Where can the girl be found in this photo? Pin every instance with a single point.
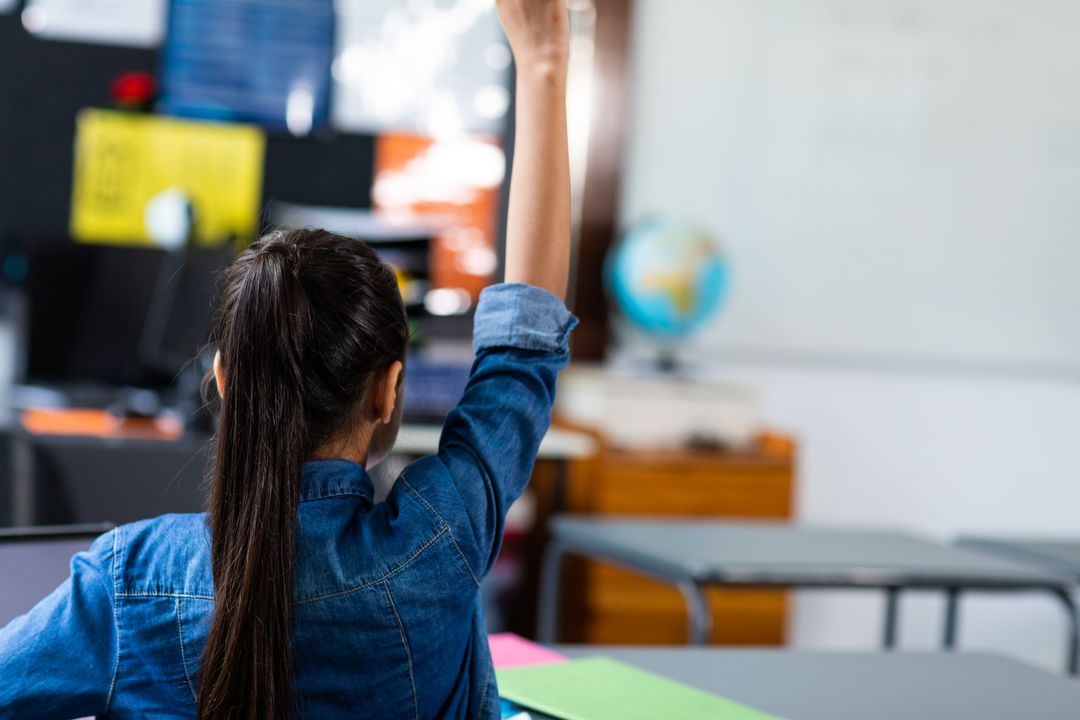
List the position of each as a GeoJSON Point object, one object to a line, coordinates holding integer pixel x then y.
{"type": "Point", "coordinates": [296, 595]}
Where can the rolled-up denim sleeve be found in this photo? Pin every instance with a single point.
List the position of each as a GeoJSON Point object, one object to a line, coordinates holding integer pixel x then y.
{"type": "Point", "coordinates": [490, 440]}
{"type": "Point", "coordinates": [59, 659]}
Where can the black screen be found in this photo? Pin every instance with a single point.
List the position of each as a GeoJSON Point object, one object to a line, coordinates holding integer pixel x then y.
{"type": "Point", "coordinates": [87, 310]}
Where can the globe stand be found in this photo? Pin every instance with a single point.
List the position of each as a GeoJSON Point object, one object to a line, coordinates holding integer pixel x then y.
{"type": "Point", "coordinates": [635, 352]}
{"type": "Point", "coordinates": [667, 361]}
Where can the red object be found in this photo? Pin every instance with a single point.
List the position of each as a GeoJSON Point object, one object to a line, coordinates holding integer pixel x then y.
{"type": "Point", "coordinates": [133, 89]}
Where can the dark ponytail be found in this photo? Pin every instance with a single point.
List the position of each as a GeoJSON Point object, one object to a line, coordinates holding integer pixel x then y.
{"type": "Point", "coordinates": [307, 319]}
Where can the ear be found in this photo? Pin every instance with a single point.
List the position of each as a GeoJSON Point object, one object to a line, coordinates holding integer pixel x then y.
{"type": "Point", "coordinates": [386, 392]}
{"type": "Point", "coordinates": [219, 374]}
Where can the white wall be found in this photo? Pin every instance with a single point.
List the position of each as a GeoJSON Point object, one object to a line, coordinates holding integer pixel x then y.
{"type": "Point", "coordinates": [892, 178]}
{"type": "Point", "coordinates": [936, 451]}
{"type": "Point", "coordinates": [940, 455]}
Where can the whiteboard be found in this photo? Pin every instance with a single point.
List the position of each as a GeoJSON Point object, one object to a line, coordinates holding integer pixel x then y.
{"type": "Point", "coordinates": [895, 180]}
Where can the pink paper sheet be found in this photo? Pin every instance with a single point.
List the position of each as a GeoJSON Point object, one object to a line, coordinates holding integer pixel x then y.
{"type": "Point", "coordinates": [509, 650]}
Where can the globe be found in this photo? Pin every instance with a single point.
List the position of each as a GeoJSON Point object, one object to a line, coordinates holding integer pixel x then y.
{"type": "Point", "coordinates": [668, 278]}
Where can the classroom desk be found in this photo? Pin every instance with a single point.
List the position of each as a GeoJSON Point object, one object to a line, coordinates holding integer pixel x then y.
{"type": "Point", "coordinates": [77, 465]}
{"type": "Point", "coordinates": [1061, 556]}
{"type": "Point", "coordinates": [558, 444]}
{"type": "Point", "coordinates": [863, 685]}
{"type": "Point", "coordinates": [693, 555]}
{"type": "Point", "coordinates": [34, 561]}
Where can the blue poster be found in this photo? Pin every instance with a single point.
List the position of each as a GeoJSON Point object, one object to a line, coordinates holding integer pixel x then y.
{"type": "Point", "coordinates": [250, 60]}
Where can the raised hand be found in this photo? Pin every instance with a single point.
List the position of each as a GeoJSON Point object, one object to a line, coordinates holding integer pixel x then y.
{"type": "Point", "coordinates": [538, 219]}
{"type": "Point", "coordinates": [538, 30]}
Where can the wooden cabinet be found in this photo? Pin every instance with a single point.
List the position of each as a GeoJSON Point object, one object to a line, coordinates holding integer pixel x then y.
{"type": "Point", "coordinates": [604, 604]}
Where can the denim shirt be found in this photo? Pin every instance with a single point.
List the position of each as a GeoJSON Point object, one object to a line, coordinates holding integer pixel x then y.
{"type": "Point", "coordinates": [387, 619]}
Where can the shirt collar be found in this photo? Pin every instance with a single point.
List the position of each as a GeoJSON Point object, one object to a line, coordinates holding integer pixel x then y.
{"type": "Point", "coordinates": [331, 478]}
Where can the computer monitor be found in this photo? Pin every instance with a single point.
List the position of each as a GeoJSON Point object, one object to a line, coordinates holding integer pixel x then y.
{"type": "Point", "coordinates": [35, 561]}
{"type": "Point", "coordinates": [178, 321]}
{"type": "Point", "coordinates": [86, 310]}
{"type": "Point", "coordinates": [117, 316]}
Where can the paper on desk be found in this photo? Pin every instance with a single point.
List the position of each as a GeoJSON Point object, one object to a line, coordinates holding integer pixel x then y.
{"type": "Point", "coordinates": [123, 161]}
{"type": "Point", "coordinates": [139, 23]}
{"type": "Point", "coordinates": [600, 688]}
{"type": "Point", "coordinates": [509, 650]}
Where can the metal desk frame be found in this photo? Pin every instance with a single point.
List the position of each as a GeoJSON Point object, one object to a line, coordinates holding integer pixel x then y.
{"type": "Point", "coordinates": [1028, 551]}
{"type": "Point", "coordinates": [845, 685]}
{"type": "Point", "coordinates": [692, 585]}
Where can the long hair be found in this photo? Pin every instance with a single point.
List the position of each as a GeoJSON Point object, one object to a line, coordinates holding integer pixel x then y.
{"type": "Point", "coordinates": [306, 320]}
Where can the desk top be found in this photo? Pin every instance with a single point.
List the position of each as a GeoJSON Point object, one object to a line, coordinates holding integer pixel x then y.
{"type": "Point", "coordinates": [558, 444]}
{"type": "Point", "coordinates": [864, 686]}
{"type": "Point", "coordinates": [80, 424]}
{"type": "Point", "coordinates": [765, 554]}
{"type": "Point", "coordinates": [1059, 555]}
{"type": "Point", "coordinates": [32, 568]}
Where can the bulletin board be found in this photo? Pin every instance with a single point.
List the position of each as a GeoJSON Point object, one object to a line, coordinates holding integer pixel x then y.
{"type": "Point", "coordinates": [57, 79]}
{"type": "Point", "coordinates": [124, 160]}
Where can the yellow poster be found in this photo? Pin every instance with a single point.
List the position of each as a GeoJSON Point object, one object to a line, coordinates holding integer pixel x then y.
{"type": "Point", "coordinates": [123, 161]}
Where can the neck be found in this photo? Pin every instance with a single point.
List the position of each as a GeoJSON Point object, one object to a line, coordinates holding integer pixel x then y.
{"type": "Point", "coordinates": [353, 448]}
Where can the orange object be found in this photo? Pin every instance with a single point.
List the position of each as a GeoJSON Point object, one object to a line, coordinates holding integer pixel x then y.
{"type": "Point", "coordinates": [607, 605]}
{"type": "Point", "coordinates": [456, 184]}
{"type": "Point", "coordinates": [92, 422]}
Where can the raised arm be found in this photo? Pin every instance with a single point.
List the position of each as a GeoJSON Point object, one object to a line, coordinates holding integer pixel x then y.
{"type": "Point", "coordinates": [538, 223]}
{"type": "Point", "coordinates": [522, 327]}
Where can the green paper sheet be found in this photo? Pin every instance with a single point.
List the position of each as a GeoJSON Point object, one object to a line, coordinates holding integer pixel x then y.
{"type": "Point", "coordinates": [599, 688]}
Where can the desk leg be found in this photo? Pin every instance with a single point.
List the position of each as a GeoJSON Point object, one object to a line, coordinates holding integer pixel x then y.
{"type": "Point", "coordinates": [892, 617]}
{"type": "Point", "coordinates": [698, 611]}
{"type": "Point", "coordinates": [1072, 657]}
{"type": "Point", "coordinates": [952, 617]}
{"type": "Point", "coordinates": [24, 509]}
{"type": "Point", "coordinates": [562, 481]}
{"type": "Point", "coordinates": [550, 592]}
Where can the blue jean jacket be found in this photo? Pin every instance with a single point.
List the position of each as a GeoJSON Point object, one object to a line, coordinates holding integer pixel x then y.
{"type": "Point", "coordinates": [387, 619]}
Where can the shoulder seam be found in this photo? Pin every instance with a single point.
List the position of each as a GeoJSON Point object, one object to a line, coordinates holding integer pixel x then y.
{"type": "Point", "coordinates": [386, 576]}
{"type": "Point", "coordinates": [188, 596]}
{"type": "Point", "coordinates": [453, 540]}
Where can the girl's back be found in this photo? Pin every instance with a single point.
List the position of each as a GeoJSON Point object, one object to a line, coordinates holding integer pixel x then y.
{"type": "Point", "coordinates": [295, 595]}
{"type": "Point", "coordinates": [386, 613]}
